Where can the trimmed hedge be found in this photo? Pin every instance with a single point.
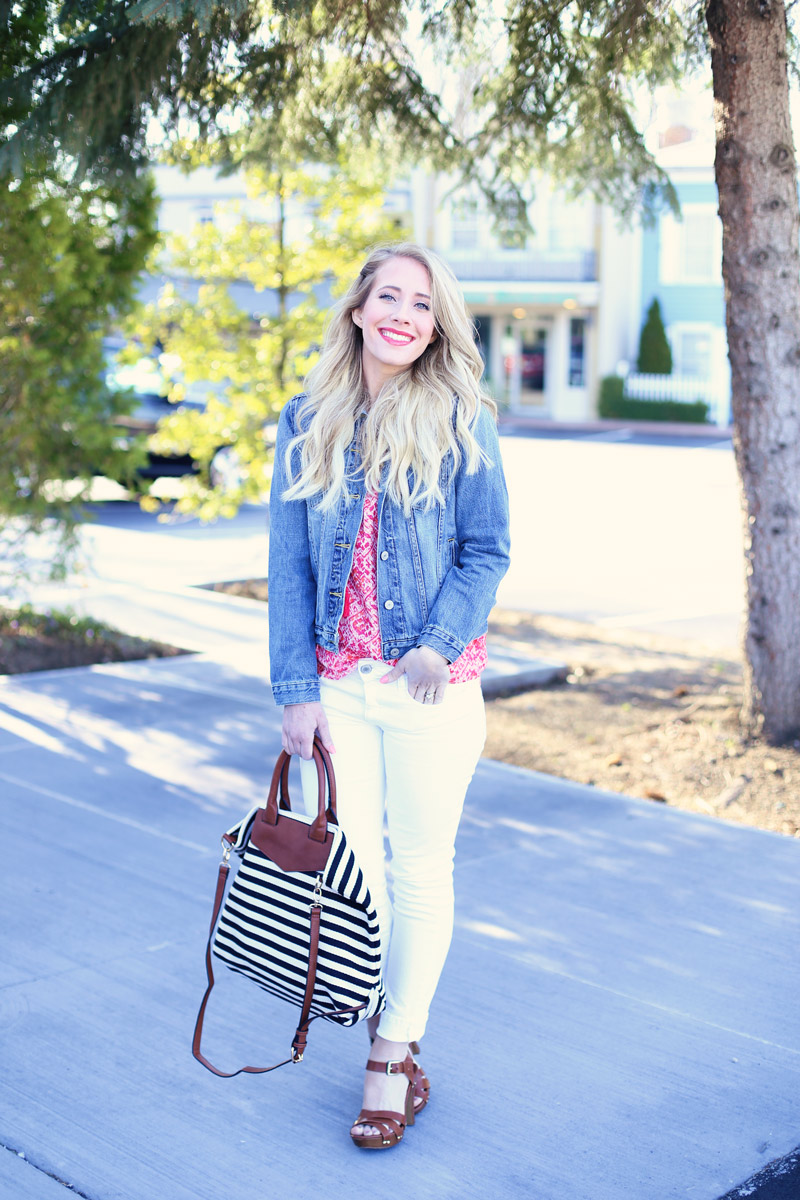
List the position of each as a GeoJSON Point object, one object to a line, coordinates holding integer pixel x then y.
{"type": "Point", "coordinates": [612, 396]}
{"type": "Point", "coordinates": [614, 404]}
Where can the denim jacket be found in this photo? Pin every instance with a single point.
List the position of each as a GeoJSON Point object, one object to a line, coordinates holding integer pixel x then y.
{"type": "Point", "coordinates": [438, 570]}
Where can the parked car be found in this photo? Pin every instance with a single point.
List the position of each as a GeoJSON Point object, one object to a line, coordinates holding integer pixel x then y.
{"type": "Point", "coordinates": [147, 382]}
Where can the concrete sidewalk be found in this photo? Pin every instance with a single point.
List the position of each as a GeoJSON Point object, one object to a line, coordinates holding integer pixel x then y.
{"type": "Point", "coordinates": [617, 1020]}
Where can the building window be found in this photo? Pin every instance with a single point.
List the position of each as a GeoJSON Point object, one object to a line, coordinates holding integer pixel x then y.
{"type": "Point", "coordinates": [693, 351]}
{"type": "Point", "coordinates": [691, 249]}
{"type": "Point", "coordinates": [699, 255]}
{"type": "Point", "coordinates": [533, 355]}
{"type": "Point", "coordinates": [577, 352]}
{"type": "Point", "coordinates": [464, 224]}
{"type": "Point", "coordinates": [569, 224]}
{"type": "Point", "coordinates": [511, 231]}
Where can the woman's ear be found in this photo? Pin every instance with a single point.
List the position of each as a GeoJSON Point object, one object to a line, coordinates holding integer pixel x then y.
{"type": "Point", "coordinates": [357, 318]}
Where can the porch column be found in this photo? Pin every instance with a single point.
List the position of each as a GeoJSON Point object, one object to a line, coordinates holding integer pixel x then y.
{"type": "Point", "coordinates": [559, 401]}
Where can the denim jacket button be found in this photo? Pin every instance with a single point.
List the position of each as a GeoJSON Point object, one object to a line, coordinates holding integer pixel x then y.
{"type": "Point", "coordinates": [394, 652]}
{"type": "Point", "coordinates": [388, 604]}
{"type": "Point", "coordinates": [384, 555]}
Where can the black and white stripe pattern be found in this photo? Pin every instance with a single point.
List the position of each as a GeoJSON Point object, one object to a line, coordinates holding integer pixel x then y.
{"type": "Point", "coordinates": [263, 929]}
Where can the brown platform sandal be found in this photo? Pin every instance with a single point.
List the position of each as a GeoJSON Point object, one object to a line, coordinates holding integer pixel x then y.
{"type": "Point", "coordinates": [422, 1085]}
{"type": "Point", "coordinates": [391, 1125]}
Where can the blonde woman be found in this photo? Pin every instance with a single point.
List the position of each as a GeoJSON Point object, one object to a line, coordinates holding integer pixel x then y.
{"type": "Point", "coordinates": [388, 538]}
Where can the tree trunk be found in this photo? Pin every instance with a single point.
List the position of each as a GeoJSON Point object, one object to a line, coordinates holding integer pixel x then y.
{"type": "Point", "coordinates": [758, 203]}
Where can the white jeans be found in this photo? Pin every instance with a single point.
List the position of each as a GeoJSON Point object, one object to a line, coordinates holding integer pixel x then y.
{"type": "Point", "coordinates": [414, 762]}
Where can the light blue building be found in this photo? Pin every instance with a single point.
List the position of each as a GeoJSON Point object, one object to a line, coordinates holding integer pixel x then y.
{"type": "Point", "coordinates": [565, 308]}
{"type": "Point", "coordinates": [681, 267]}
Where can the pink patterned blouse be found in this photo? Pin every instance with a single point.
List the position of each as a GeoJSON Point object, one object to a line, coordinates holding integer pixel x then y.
{"type": "Point", "coordinates": [359, 628]}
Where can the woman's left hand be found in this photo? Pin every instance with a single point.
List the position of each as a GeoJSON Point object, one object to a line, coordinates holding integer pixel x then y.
{"type": "Point", "coordinates": [427, 671]}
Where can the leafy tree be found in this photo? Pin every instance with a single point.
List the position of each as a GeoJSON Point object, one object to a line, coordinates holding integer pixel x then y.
{"type": "Point", "coordinates": [70, 256]}
{"type": "Point", "coordinates": [557, 91]}
{"type": "Point", "coordinates": [256, 364]}
{"type": "Point", "coordinates": [84, 80]}
{"type": "Point", "coordinates": [88, 77]}
{"type": "Point", "coordinates": [655, 353]}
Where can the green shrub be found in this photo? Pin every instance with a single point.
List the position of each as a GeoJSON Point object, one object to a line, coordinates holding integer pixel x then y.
{"type": "Point", "coordinates": [25, 621]}
{"type": "Point", "coordinates": [655, 353]}
{"type": "Point", "coordinates": [612, 392]}
{"type": "Point", "coordinates": [615, 405]}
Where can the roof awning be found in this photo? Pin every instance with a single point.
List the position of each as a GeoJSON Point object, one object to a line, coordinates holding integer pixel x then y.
{"type": "Point", "coordinates": [514, 292]}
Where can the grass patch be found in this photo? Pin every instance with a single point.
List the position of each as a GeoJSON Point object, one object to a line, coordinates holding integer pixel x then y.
{"type": "Point", "coordinates": [44, 641]}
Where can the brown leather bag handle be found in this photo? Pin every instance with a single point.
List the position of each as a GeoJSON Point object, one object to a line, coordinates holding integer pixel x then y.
{"type": "Point", "coordinates": [285, 799]}
{"type": "Point", "coordinates": [318, 830]}
{"type": "Point", "coordinates": [329, 774]}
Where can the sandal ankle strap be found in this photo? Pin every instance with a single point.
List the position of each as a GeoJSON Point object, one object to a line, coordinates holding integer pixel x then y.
{"type": "Point", "coordinates": [401, 1067]}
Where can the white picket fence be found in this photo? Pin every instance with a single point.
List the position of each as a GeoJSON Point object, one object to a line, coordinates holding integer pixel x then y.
{"type": "Point", "coordinates": [681, 387]}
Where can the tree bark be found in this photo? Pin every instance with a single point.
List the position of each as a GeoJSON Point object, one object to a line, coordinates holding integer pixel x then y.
{"type": "Point", "coordinates": [758, 203]}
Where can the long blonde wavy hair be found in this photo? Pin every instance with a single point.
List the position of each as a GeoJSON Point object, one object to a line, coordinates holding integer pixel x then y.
{"type": "Point", "coordinates": [419, 415]}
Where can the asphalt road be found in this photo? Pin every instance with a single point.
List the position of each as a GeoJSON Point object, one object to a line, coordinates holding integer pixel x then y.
{"type": "Point", "coordinates": [632, 436]}
{"type": "Point", "coordinates": [632, 533]}
{"type": "Point", "coordinates": [780, 1180]}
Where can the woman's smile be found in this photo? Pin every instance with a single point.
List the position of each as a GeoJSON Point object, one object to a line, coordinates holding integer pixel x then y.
{"type": "Point", "coordinates": [395, 338]}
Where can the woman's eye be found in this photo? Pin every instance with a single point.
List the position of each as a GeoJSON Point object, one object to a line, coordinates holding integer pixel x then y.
{"type": "Point", "coordinates": [420, 303]}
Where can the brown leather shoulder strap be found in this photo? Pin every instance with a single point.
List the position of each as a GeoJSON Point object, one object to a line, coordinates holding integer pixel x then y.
{"type": "Point", "coordinates": [301, 1033]}
{"type": "Point", "coordinates": [222, 879]}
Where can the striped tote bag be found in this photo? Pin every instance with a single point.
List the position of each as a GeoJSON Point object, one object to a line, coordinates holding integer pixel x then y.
{"type": "Point", "coordinates": [298, 918]}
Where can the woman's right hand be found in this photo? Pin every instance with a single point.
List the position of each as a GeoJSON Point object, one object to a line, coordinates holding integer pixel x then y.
{"type": "Point", "coordinates": [300, 723]}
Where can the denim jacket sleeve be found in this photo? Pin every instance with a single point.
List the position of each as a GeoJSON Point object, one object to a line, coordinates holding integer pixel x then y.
{"type": "Point", "coordinates": [462, 606]}
{"type": "Point", "coordinates": [292, 585]}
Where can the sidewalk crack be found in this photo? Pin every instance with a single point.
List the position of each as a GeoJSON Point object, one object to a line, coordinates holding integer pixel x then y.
{"type": "Point", "coordinates": [43, 1171]}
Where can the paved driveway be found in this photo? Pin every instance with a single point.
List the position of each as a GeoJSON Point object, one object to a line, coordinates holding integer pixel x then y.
{"type": "Point", "coordinates": [635, 536]}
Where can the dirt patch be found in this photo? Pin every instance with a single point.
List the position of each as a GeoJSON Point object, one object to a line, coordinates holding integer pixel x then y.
{"type": "Point", "coordinates": [646, 716]}
{"type": "Point", "coordinates": [31, 641]}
